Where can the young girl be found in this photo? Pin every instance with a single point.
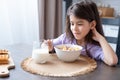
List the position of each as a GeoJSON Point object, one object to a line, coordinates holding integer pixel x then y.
{"type": "Point", "coordinates": [83, 27]}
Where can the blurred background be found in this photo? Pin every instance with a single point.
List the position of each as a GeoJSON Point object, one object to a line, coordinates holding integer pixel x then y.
{"type": "Point", "coordinates": [24, 21]}
{"type": "Point", "coordinates": [18, 21]}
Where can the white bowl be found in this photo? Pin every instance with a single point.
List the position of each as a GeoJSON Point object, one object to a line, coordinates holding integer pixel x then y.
{"type": "Point", "coordinates": [68, 55]}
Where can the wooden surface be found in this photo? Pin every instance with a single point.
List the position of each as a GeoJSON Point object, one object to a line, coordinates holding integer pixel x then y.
{"type": "Point", "coordinates": [4, 68]}
{"type": "Point", "coordinates": [20, 51]}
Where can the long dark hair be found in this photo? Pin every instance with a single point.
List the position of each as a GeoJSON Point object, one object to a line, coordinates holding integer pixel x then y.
{"type": "Point", "coordinates": [85, 9]}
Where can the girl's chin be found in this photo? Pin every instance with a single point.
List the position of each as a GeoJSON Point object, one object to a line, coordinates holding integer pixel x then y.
{"type": "Point", "coordinates": [78, 38]}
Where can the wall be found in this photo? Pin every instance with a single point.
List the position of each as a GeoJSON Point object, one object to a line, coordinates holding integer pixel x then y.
{"type": "Point", "coordinates": [113, 3]}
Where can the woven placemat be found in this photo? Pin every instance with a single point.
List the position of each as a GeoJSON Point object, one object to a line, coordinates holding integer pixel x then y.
{"type": "Point", "coordinates": [55, 67]}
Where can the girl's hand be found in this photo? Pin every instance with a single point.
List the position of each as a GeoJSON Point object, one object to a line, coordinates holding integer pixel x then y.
{"type": "Point", "coordinates": [110, 56]}
{"type": "Point", "coordinates": [96, 36]}
{"type": "Point", "coordinates": [49, 44]}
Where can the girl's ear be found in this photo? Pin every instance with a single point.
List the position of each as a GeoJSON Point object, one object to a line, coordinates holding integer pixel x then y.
{"type": "Point", "coordinates": [93, 24]}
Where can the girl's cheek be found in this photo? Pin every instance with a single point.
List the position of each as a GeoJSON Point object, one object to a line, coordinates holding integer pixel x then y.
{"type": "Point", "coordinates": [71, 28]}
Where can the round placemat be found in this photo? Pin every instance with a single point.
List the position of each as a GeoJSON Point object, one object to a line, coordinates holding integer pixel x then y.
{"type": "Point", "coordinates": [55, 67]}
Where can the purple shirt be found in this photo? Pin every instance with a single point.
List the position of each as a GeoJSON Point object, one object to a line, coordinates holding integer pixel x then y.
{"type": "Point", "coordinates": [94, 50]}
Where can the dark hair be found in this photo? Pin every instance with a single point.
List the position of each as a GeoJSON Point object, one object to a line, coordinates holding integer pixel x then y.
{"type": "Point", "coordinates": [85, 9]}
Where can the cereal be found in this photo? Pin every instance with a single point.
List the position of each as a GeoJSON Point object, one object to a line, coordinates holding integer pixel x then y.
{"type": "Point", "coordinates": [66, 48]}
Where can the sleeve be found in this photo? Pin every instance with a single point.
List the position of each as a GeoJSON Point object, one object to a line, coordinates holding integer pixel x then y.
{"type": "Point", "coordinates": [59, 40]}
{"type": "Point", "coordinates": [96, 52]}
{"type": "Point", "coordinates": [62, 39]}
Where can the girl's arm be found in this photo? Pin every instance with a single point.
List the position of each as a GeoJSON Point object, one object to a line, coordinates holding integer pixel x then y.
{"type": "Point", "coordinates": [110, 56]}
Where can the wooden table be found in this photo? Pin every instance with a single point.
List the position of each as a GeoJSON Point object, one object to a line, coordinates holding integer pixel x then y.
{"type": "Point", "coordinates": [20, 51]}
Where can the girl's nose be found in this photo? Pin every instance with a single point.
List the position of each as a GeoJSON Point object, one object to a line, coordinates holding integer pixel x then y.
{"type": "Point", "coordinates": [75, 27]}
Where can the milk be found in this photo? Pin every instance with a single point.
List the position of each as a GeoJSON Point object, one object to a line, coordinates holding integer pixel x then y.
{"type": "Point", "coordinates": [40, 55]}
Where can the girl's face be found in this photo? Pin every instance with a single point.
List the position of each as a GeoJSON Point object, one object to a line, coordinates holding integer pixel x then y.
{"type": "Point", "coordinates": [79, 27]}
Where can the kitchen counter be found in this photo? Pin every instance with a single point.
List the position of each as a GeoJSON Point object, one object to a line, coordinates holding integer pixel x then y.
{"type": "Point", "coordinates": [21, 51]}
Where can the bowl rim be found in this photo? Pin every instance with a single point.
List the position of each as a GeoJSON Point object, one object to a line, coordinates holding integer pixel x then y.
{"type": "Point", "coordinates": [80, 47]}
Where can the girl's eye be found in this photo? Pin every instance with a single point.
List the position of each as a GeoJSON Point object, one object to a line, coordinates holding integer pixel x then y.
{"type": "Point", "coordinates": [72, 24]}
{"type": "Point", "coordinates": [80, 24]}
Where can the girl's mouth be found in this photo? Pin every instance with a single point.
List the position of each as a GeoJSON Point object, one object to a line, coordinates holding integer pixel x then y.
{"type": "Point", "coordinates": [76, 33]}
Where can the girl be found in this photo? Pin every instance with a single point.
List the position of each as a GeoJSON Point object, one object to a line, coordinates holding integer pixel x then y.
{"type": "Point", "coordinates": [83, 27]}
